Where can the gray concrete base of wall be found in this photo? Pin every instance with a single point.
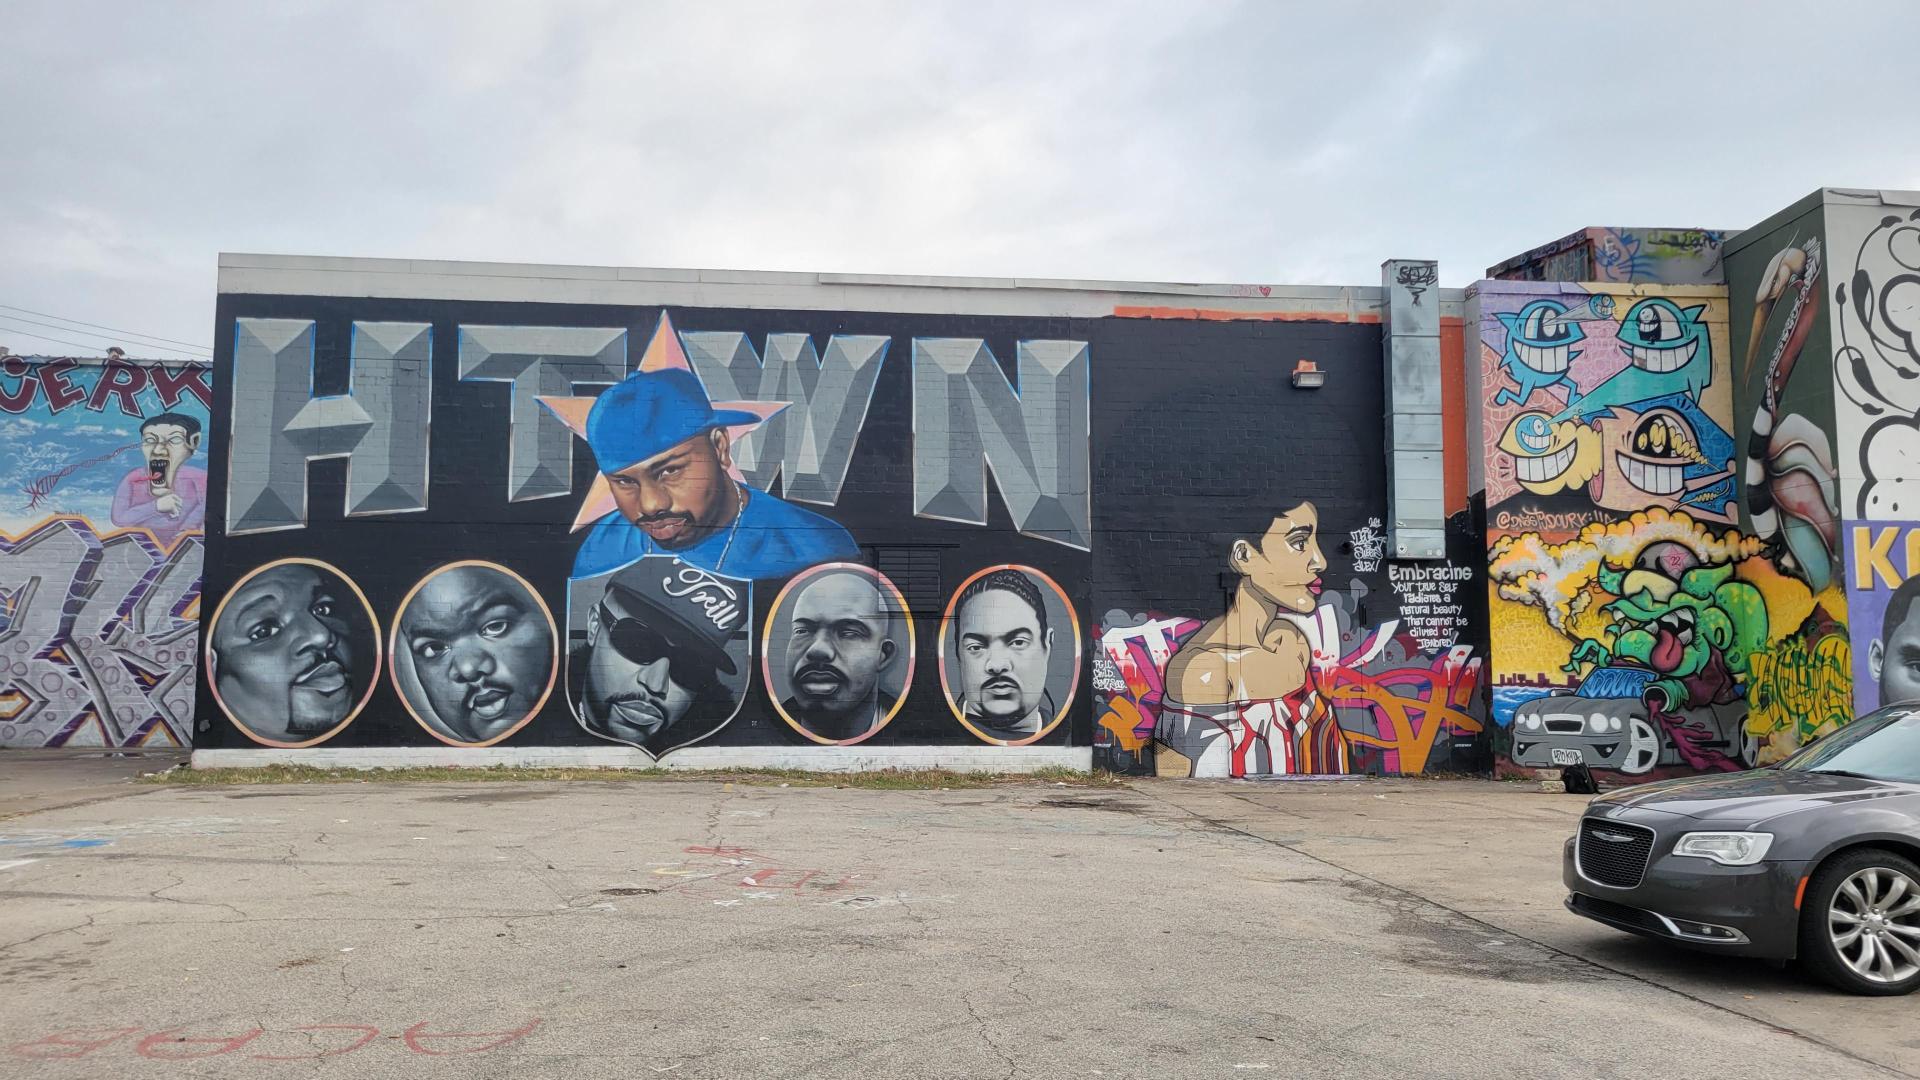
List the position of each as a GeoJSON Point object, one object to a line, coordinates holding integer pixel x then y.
{"type": "Point", "coordinates": [995, 759]}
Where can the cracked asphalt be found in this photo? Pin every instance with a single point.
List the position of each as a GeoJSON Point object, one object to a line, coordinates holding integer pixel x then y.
{"type": "Point", "coordinates": [697, 929]}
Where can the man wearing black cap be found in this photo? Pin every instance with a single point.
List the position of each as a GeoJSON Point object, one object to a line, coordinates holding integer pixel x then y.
{"type": "Point", "coordinates": [654, 670]}
{"type": "Point", "coordinates": [665, 452]}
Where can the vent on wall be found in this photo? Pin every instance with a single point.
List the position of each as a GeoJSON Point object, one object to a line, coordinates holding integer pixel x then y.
{"type": "Point", "coordinates": [1416, 505]}
{"type": "Point", "coordinates": [915, 571]}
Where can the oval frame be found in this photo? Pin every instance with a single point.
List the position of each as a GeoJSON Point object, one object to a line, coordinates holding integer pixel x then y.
{"type": "Point", "coordinates": [766, 650]}
{"type": "Point", "coordinates": [373, 621]}
{"type": "Point", "coordinates": [946, 628]}
{"type": "Point", "coordinates": [393, 651]}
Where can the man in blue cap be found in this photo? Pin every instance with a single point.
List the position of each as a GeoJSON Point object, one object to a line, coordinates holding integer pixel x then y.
{"type": "Point", "coordinates": [663, 448]}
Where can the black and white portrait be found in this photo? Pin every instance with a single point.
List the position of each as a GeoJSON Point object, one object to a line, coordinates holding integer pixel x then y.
{"type": "Point", "coordinates": [659, 653]}
{"type": "Point", "coordinates": [838, 654]}
{"type": "Point", "coordinates": [474, 653]}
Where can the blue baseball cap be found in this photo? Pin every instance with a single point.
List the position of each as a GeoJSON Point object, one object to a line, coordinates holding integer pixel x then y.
{"type": "Point", "coordinates": [652, 411]}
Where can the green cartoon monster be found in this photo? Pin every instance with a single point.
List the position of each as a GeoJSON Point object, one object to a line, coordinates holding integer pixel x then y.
{"type": "Point", "coordinates": [1696, 633]}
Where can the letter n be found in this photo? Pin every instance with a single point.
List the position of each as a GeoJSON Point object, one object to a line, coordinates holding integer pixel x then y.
{"type": "Point", "coordinates": [379, 425]}
{"type": "Point", "coordinates": [968, 419]}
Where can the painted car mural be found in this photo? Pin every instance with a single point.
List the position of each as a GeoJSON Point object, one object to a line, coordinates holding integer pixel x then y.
{"type": "Point", "coordinates": [1607, 723]}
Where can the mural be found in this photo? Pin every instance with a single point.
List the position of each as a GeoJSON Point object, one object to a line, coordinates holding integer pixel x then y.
{"type": "Point", "coordinates": [1802, 683]}
{"type": "Point", "coordinates": [1874, 243]}
{"type": "Point", "coordinates": [1601, 403]}
{"type": "Point", "coordinates": [292, 652]}
{"type": "Point", "coordinates": [408, 512]}
{"type": "Point", "coordinates": [1254, 621]}
{"type": "Point", "coordinates": [838, 653]}
{"type": "Point", "coordinates": [661, 652]}
{"type": "Point", "coordinates": [100, 549]}
{"type": "Point", "coordinates": [1640, 629]}
{"type": "Point", "coordinates": [1289, 681]}
{"type": "Point", "coordinates": [1624, 256]}
{"type": "Point", "coordinates": [1009, 654]}
{"type": "Point", "coordinates": [474, 653]}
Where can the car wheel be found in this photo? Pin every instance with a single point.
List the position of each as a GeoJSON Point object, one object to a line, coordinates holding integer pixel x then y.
{"type": "Point", "coordinates": [1749, 747]}
{"type": "Point", "coordinates": [1860, 923]}
{"type": "Point", "coordinates": [1643, 746]}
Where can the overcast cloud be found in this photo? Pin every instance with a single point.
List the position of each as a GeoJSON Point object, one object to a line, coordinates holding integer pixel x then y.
{"type": "Point", "coordinates": [1253, 142]}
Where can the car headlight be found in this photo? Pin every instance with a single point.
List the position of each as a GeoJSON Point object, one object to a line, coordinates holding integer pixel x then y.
{"type": "Point", "coordinates": [1597, 723]}
{"type": "Point", "coordinates": [1613, 723]}
{"type": "Point", "coordinates": [1725, 848]}
{"type": "Point", "coordinates": [1531, 722]}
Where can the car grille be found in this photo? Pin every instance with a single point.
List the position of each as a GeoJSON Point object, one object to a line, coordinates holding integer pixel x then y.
{"type": "Point", "coordinates": [1567, 727]}
{"type": "Point", "coordinates": [1611, 861]}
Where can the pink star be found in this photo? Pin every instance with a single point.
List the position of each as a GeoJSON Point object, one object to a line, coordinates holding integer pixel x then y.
{"type": "Point", "coordinates": [664, 353]}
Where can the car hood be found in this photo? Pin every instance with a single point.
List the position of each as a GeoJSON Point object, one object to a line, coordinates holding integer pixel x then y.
{"type": "Point", "coordinates": [1738, 800]}
{"type": "Point", "coordinates": [1574, 705]}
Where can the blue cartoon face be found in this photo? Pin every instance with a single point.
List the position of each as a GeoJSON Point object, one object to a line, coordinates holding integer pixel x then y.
{"type": "Point", "coordinates": [1541, 337]}
{"type": "Point", "coordinates": [1534, 433]}
{"type": "Point", "coordinates": [1661, 336]}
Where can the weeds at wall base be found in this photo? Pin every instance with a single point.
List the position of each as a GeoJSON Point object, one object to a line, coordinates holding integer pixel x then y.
{"type": "Point", "coordinates": [887, 779]}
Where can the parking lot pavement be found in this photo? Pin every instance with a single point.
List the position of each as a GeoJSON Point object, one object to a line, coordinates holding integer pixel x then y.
{"type": "Point", "coordinates": [1491, 851]}
{"type": "Point", "coordinates": [33, 780]}
{"type": "Point", "coordinates": [699, 929]}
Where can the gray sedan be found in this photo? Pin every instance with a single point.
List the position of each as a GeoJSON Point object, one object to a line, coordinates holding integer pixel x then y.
{"type": "Point", "coordinates": [1816, 858]}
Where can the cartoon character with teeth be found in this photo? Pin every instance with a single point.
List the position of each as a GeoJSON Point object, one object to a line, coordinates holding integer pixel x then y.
{"type": "Point", "coordinates": [1671, 450]}
{"type": "Point", "coordinates": [1540, 348]}
{"type": "Point", "coordinates": [1693, 627]}
{"type": "Point", "coordinates": [1549, 457]}
{"type": "Point", "coordinates": [1670, 353]}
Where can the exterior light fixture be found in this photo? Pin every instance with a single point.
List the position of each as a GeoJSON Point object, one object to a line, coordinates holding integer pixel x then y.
{"type": "Point", "coordinates": [1308, 376]}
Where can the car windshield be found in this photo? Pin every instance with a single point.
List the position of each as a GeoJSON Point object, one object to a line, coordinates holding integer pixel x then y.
{"type": "Point", "coordinates": [1884, 746]}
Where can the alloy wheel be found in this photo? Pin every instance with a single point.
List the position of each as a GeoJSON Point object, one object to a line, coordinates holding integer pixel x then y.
{"type": "Point", "coordinates": [1874, 921]}
{"type": "Point", "coordinates": [1643, 747]}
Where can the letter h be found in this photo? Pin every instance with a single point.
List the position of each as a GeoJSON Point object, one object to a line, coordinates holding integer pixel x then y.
{"type": "Point", "coordinates": [379, 425]}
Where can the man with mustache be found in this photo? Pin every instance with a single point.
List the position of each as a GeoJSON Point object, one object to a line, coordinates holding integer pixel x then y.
{"type": "Point", "coordinates": [664, 450]}
{"type": "Point", "coordinates": [1000, 626]}
{"type": "Point", "coordinates": [480, 651]}
{"type": "Point", "coordinates": [281, 656]}
{"type": "Point", "coordinates": [650, 673]}
{"type": "Point", "coordinates": [842, 640]}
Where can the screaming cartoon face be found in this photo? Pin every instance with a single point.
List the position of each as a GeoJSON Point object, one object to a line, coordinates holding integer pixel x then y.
{"type": "Point", "coordinates": [1549, 458]}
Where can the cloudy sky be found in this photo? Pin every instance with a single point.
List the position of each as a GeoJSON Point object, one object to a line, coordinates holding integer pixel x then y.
{"type": "Point", "coordinates": [1189, 140]}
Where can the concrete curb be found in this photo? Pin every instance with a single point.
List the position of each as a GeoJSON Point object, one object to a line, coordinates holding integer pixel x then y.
{"type": "Point", "coordinates": [825, 759]}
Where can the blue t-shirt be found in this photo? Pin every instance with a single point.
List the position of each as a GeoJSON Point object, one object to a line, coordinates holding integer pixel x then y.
{"type": "Point", "coordinates": [773, 538]}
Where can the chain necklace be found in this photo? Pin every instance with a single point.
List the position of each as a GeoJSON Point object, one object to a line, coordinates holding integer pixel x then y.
{"type": "Point", "coordinates": [740, 491]}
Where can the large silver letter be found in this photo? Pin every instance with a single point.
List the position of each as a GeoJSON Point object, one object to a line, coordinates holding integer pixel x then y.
{"type": "Point", "coordinates": [967, 418]}
{"type": "Point", "coordinates": [535, 362]}
{"type": "Point", "coordinates": [379, 425]}
{"type": "Point", "coordinates": [810, 442]}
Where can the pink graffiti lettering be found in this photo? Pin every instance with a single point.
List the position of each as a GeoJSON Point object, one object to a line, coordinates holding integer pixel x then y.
{"type": "Point", "coordinates": [170, 1041]}
{"type": "Point", "coordinates": [416, 1035]}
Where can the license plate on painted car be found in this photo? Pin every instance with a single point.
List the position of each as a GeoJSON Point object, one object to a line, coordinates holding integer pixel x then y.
{"type": "Point", "coordinates": [1569, 755]}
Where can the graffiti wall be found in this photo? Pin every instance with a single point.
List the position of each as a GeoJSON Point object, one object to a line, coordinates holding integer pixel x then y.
{"type": "Point", "coordinates": [480, 524]}
{"type": "Point", "coordinates": [1634, 623]}
{"type": "Point", "coordinates": [103, 494]}
{"type": "Point", "coordinates": [1624, 256]}
{"type": "Point", "coordinates": [1250, 623]}
{"type": "Point", "coordinates": [1779, 278]}
{"type": "Point", "coordinates": [1873, 296]}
